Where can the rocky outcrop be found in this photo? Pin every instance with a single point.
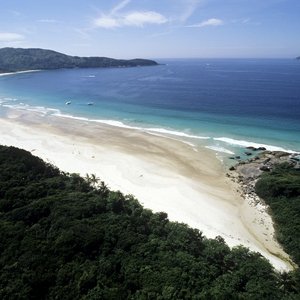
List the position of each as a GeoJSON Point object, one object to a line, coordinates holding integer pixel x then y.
{"type": "Point", "coordinates": [246, 173]}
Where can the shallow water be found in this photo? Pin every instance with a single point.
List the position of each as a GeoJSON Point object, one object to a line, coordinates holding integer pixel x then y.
{"type": "Point", "coordinates": [227, 104]}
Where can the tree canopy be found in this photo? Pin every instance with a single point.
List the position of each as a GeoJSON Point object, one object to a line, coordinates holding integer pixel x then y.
{"type": "Point", "coordinates": [65, 238]}
{"type": "Point", "coordinates": [18, 59]}
{"type": "Point", "coordinates": [281, 191]}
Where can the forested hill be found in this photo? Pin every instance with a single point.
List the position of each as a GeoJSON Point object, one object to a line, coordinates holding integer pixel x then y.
{"type": "Point", "coordinates": [18, 59]}
{"type": "Point", "coordinates": [280, 189]}
{"type": "Point", "coordinates": [63, 238]}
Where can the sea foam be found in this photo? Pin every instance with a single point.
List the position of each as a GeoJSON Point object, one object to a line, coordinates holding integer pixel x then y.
{"type": "Point", "coordinates": [220, 149]}
{"type": "Point", "coordinates": [6, 102]}
{"type": "Point", "coordinates": [177, 133]}
{"type": "Point", "coordinates": [40, 109]}
{"type": "Point", "coordinates": [242, 143]}
{"type": "Point", "coordinates": [122, 125]}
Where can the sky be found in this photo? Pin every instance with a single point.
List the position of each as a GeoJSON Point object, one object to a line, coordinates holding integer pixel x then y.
{"type": "Point", "coordinates": [154, 28]}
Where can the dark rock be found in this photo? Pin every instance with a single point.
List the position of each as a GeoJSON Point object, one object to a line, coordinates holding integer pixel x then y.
{"type": "Point", "coordinates": [248, 153]}
{"type": "Point", "coordinates": [237, 157]}
{"type": "Point", "coordinates": [261, 149]}
{"type": "Point", "coordinates": [265, 168]}
{"type": "Point", "coordinates": [231, 157]}
{"type": "Point", "coordinates": [280, 154]}
{"type": "Point", "coordinates": [292, 163]}
{"type": "Point", "coordinates": [295, 158]}
{"type": "Point", "coordinates": [232, 168]}
{"type": "Point", "coordinates": [251, 148]}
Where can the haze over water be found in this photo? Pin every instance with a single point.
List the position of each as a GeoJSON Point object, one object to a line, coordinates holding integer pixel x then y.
{"type": "Point", "coordinates": [231, 103]}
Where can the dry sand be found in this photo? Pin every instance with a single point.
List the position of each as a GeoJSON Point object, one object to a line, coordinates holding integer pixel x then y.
{"type": "Point", "coordinates": [163, 174]}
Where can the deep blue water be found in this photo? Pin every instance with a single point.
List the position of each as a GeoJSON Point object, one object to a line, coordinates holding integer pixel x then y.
{"type": "Point", "coordinates": [233, 102]}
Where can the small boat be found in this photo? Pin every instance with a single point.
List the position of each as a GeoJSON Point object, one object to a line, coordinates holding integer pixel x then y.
{"type": "Point", "coordinates": [90, 103]}
{"type": "Point", "coordinates": [68, 102]}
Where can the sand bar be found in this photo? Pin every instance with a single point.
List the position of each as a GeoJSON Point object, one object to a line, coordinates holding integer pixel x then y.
{"type": "Point", "coordinates": [162, 173]}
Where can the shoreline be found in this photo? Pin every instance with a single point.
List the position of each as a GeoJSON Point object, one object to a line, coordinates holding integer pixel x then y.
{"type": "Point", "coordinates": [163, 174]}
{"type": "Point", "coordinates": [18, 72]}
{"type": "Point", "coordinates": [246, 174]}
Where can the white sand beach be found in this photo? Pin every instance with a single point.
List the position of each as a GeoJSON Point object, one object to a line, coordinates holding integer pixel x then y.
{"type": "Point", "coordinates": [163, 174]}
{"type": "Point", "coordinates": [19, 72]}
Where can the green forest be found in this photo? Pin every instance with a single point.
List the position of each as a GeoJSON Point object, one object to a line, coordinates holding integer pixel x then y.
{"type": "Point", "coordinates": [18, 59]}
{"type": "Point", "coordinates": [64, 237]}
{"type": "Point", "coordinates": [281, 191]}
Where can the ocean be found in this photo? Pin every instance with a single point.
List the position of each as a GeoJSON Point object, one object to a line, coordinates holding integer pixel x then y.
{"type": "Point", "coordinates": [222, 104]}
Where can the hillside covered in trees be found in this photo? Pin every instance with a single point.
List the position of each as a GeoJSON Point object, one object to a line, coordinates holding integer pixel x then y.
{"type": "Point", "coordinates": [281, 191]}
{"type": "Point", "coordinates": [18, 59]}
{"type": "Point", "coordinates": [63, 238]}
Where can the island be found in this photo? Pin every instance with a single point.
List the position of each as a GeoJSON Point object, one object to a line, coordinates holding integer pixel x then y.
{"type": "Point", "coordinates": [19, 59]}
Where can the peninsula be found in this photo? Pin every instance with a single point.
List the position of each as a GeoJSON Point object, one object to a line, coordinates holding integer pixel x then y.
{"type": "Point", "coordinates": [19, 59]}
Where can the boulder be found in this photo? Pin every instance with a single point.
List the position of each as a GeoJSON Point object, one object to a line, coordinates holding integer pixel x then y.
{"type": "Point", "coordinates": [295, 158]}
{"type": "Point", "coordinates": [280, 154]}
{"type": "Point", "coordinates": [265, 168]}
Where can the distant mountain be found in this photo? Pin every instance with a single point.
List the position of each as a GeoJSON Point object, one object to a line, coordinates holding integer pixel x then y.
{"type": "Point", "coordinates": [18, 59]}
{"type": "Point", "coordinates": [298, 57]}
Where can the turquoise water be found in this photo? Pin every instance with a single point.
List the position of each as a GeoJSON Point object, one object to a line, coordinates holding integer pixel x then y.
{"type": "Point", "coordinates": [227, 104]}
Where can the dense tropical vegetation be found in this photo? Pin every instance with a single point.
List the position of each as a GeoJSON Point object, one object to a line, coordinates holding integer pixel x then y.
{"type": "Point", "coordinates": [63, 238]}
{"type": "Point", "coordinates": [281, 191]}
{"type": "Point", "coordinates": [18, 59]}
